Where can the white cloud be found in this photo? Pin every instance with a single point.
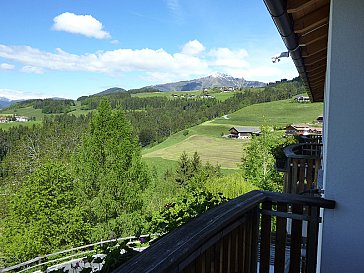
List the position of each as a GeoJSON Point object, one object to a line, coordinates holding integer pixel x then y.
{"type": "Point", "coordinates": [111, 62]}
{"type": "Point", "coordinates": [193, 48]}
{"type": "Point", "coordinates": [21, 95]}
{"type": "Point", "coordinates": [80, 24]}
{"type": "Point", "coordinates": [32, 69]}
{"type": "Point", "coordinates": [5, 66]}
{"type": "Point", "coordinates": [114, 42]}
{"type": "Point", "coordinates": [225, 57]}
{"type": "Point", "coordinates": [154, 64]}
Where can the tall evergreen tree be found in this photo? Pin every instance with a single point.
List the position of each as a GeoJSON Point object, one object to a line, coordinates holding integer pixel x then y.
{"type": "Point", "coordinates": [108, 169]}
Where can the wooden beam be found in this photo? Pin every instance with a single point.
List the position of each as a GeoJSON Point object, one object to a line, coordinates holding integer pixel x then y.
{"type": "Point", "coordinates": [317, 77]}
{"type": "Point", "coordinates": [313, 49]}
{"type": "Point", "coordinates": [318, 94]}
{"type": "Point", "coordinates": [314, 36]}
{"type": "Point", "coordinates": [316, 69]}
{"type": "Point", "coordinates": [318, 72]}
{"type": "Point", "coordinates": [298, 5]}
{"type": "Point", "coordinates": [316, 66]}
{"type": "Point", "coordinates": [317, 84]}
{"type": "Point", "coordinates": [312, 20]}
{"type": "Point", "coordinates": [315, 58]}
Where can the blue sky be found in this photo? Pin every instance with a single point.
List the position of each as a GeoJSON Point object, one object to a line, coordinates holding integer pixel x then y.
{"type": "Point", "coordinates": [71, 48]}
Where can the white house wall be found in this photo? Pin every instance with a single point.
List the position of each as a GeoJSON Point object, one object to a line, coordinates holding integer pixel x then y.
{"type": "Point", "coordinates": [343, 228]}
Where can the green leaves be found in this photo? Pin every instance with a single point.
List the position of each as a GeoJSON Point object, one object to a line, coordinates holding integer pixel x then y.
{"type": "Point", "coordinates": [259, 161]}
{"type": "Point", "coordinates": [43, 215]}
{"type": "Point", "coordinates": [110, 176]}
{"type": "Point", "coordinates": [186, 207]}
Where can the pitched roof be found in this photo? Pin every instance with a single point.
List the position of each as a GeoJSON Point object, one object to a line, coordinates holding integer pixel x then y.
{"type": "Point", "coordinates": [303, 26]}
{"type": "Point", "coordinates": [245, 129]}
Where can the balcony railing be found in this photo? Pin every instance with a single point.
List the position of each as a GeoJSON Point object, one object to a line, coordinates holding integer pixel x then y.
{"type": "Point", "coordinates": [301, 167]}
{"type": "Point", "coordinates": [239, 236]}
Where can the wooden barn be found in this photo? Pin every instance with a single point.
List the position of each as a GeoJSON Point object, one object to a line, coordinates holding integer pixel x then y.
{"type": "Point", "coordinates": [243, 132]}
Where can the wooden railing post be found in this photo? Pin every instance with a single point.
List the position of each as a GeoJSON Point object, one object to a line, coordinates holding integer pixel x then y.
{"type": "Point", "coordinates": [312, 239]}
{"type": "Point", "coordinates": [265, 233]}
{"type": "Point", "coordinates": [296, 241]}
{"type": "Point", "coordinates": [280, 240]}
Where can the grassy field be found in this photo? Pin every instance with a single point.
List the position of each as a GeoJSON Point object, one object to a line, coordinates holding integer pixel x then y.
{"type": "Point", "coordinates": [217, 95]}
{"type": "Point", "coordinates": [26, 111]}
{"type": "Point", "coordinates": [6, 126]}
{"type": "Point", "coordinates": [226, 152]}
{"type": "Point", "coordinates": [279, 113]}
{"type": "Point", "coordinates": [206, 137]}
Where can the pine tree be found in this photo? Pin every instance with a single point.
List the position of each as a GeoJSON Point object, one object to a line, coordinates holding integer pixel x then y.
{"type": "Point", "coordinates": [108, 169]}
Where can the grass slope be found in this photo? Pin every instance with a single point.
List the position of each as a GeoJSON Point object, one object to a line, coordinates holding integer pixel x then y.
{"type": "Point", "coordinates": [279, 113]}
{"type": "Point", "coordinates": [226, 152]}
{"type": "Point", "coordinates": [205, 138]}
{"type": "Point", "coordinates": [218, 95]}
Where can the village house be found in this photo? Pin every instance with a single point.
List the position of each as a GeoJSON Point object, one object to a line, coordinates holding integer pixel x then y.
{"type": "Point", "coordinates": [301, 99]}
{"type": "Point", "coordinates": [320, 120]}
{"type": "Point", "coordinates": [302, 129]}
{"type": "Point", "coordinates": [21, 118]}
{"type": "Point", "coordinates": [244, 132]}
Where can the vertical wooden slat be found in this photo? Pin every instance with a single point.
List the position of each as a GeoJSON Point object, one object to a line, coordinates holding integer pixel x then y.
{"type": "Point", "coordinates": [242, 249]}
{"type": "Point", "coordinates": [229, 254]}
{"type": "Point", "coordinates": [310, 173]}
{"type": "Point", "coordinates": [296, 240]}
{"type": "Point", "coordinates": [225, 253]}
{"type": "Point", "coordinates": [247, 246]}
{"type": "Point", "coordinates": [280, 243]}
{"type": "Point", "coordinates": [265, 239]}
{"type": "Point", "coordinates": [208, 260]}
{"type": "Point", "coordinates": [301, 178]}
{"type": "Point", "coordinates": [191, 268]}
{"type": "Point", "coordinates": [312, 239]}
{"type": "Point", "coordinates": [255, 239]}
{"type": "Point", "coordinates": [200, 264]}
{"type": "Point", "coordinates": [234, 256]}
{"type": "Point", "coordinates": [217, 257]}
{"type": "Point", "coordinates": [294, 176]}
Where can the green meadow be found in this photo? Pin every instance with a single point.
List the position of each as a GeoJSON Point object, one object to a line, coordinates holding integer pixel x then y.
{"type": "Point", "coordinates": [207, 141]}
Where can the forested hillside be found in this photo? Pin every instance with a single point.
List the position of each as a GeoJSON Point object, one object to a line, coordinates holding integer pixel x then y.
{"type": "Point", "coordinates": [74, 180]}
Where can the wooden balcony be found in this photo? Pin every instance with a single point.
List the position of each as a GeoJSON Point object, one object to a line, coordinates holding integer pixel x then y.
{"type": "Point", "coordinates": [239, 236]}
{"type": "Point", "coordinates": [301, 167]}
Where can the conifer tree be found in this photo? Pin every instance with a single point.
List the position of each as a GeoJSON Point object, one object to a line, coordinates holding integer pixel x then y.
{"type": "Point", "coordinates": [108, 169]}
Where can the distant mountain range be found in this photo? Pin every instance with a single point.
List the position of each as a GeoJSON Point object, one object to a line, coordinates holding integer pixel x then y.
{"type": "Point", "coordinates": [5, 102]}
{"type": "Point", "coordinates": [214, 80]}
{"type": "Point", "coordinates": [110, 91]}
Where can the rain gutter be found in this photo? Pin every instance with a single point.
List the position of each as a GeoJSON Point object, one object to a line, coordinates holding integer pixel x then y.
{"type": "Point", "coordinates": [285, 26]}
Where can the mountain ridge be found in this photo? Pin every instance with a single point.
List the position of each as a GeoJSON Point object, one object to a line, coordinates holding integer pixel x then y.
{"type": "Point", "coordinates": [211, 81]}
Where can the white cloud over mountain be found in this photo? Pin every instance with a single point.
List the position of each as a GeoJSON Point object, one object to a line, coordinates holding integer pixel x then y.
{"type": "Point", "coordinates": [20, 95]}
{"type": "Point", "coordinates": [156, 64]}
{"type": "Point", "coordinates": [193, 48]}
{"type": "Point", "coordinates": [80, 24]}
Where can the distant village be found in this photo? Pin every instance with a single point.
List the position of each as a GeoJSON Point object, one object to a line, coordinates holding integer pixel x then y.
{"type": "Point", "coordinates": [245, 132]}
{"type": "Point", "coordinates": [13, 118]}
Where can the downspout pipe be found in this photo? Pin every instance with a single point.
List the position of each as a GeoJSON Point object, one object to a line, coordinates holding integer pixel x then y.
{"type": "Point", "coordinates": [285, 26]}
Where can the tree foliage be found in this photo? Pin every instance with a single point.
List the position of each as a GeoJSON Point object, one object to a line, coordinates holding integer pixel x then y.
{"type": "Point", "coordinates": [259, 162]}
{"type": "Point", "coordinates": [108, 169]}
{"type": "Point", "coordinates": [43, 215]}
